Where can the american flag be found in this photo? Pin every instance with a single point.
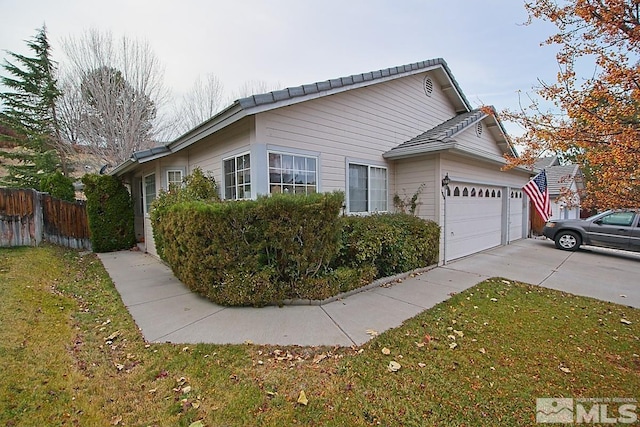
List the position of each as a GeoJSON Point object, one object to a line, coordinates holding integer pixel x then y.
{"type": "Point", "coordinates": [538, 192]}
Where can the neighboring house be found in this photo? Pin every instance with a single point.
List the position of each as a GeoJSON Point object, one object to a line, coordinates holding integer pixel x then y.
{"type": "Point", "coordinates": [564, 183]}
{"type": "Point", "coordinates": [374, 135]}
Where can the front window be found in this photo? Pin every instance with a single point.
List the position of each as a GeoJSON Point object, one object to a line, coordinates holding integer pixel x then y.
{"type": "Point", "coordinates": [367, 188]}
{"type": "Point", "coordinates": [292, 174]}
{"type": "Point", "coordinates": [149, 191]}
{"type": "Point", "coordinates": [237, 177]}
{"type": "Point", "coordinates": [174, 179]}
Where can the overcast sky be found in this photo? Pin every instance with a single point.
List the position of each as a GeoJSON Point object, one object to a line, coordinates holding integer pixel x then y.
{"type": "Point", "coordinates": [293, 42]}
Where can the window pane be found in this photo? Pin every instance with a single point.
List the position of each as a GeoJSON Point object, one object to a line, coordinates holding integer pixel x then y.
{"type": "Point", "coordinates": [149, 191]}
{"type": "Point", "coordinates": [291, 174]}
{"type": "Point", "coordinates": [358, 189]}
{"type": "Point", "coordinates": [378, 189]}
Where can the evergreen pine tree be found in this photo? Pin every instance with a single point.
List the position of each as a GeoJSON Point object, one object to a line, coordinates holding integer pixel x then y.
{"type": "Point", "coordinates": [28, 110]}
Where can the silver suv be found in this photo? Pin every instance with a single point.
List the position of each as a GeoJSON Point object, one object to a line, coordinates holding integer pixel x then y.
{"type": "Point", "coordinates": [619, 229]}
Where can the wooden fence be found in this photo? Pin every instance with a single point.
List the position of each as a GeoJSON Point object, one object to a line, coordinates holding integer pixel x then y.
{"type": "Point", "coordinates": [28, 217]}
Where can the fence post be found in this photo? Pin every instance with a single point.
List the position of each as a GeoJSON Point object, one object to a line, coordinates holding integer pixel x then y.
{"type": "Point", "coordinates": [38, 218]}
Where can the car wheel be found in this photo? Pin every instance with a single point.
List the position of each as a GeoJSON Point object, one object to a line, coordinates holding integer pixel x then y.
{"type": "Point", "coordinates": [568, 241]}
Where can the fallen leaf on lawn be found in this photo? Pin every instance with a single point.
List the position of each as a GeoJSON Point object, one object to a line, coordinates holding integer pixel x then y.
{"type": "Point", "coordinates": [393, 366]}
{"type": "Point", "coordinates": [196, 404]}
{"type": "Point", "coordinates": [153, 390]}
{"type": "Point", "coordinates": [119, 366]}
{"type": "Point", "coordinates": [482, 350]}
{"type": "Point", "coordinates": [319, 357]}
{"type": "Point", "coordinates": [494, 299]}
{"type": "Point", "coordinates": [198, 423]}
{"type": "Point", "coordinates": [506, 282]}
{"type": "Point", "coordinates": [185, 349]}
{"type": "Point", "coordinates": [451, 337]}
{"type": "Point", "coordinates": [453, 345]}
{"type": "Point", "coordinates": [186, 389]}
{"type": "Point", "coordinates": [565, 369]}
{"type": "Point", "coordinates": [116, 420]}
{"type": "Point", "coordinates": [386, 351]}
{"type": "Point", "coordinates": [272, 393]}
{"type": "Point", "coordinates": [458, 333]}
{"type": "Point", "coordinates": [372, 332]}
{"type": "Point", "coordinates": [422, 365]}
{"type": "Point", "coordinates": [625, 321]}
{"type": "Point", "coordinates": [427, 338]}
{"type": "Point", "coordinates": [302, 398]}
{"type": "Point", "coordinates": [420, 344]}
{"type": "Point", "coordinates": [113, 336]}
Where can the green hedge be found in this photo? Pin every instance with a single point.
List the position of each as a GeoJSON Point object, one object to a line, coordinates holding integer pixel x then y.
{"type": "Point", "coordinates": [392, 243]}
{"type": "Point", "coordinates": [110, 212]}
{"type": "Point", "coordinates": [286, 247]}
{"type": "Point", "coordinates": [252, 252]}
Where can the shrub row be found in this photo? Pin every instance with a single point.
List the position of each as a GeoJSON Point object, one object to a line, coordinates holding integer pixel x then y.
{"type": "Point", "coordinates": [284, 247]}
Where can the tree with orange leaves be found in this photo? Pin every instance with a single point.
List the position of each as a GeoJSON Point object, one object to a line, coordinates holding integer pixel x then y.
{"type": "Point", "coordinates": [593, 121]}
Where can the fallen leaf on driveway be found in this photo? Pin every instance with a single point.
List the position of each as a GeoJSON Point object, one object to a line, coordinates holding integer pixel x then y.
{"type": "Point", "coordinates": [372, 332]}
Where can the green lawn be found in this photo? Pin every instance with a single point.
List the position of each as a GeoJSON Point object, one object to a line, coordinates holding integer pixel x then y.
{"type": "Point", "coordinates": [70, 354]}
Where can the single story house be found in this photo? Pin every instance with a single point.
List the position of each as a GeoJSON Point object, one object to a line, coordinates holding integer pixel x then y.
{"type": "Point", "coordinates": [375, 135]}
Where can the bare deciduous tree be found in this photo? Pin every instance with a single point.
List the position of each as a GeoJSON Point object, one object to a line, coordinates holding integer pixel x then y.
{"type": "Point", "coordinates": [201, 103]}
{"type": "Point", "coordinates": [113, 92]}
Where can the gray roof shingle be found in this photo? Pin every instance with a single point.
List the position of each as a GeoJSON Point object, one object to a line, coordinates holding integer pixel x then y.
{"type": "Point", "coordinates": [313, 88]}
{"type": "Point", "coordinates": [444, 132]}
{"type": "Point", "coordinates": [560, 176]}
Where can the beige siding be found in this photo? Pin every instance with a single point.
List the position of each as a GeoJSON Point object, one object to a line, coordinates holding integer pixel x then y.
{"type": "Point", "coordinates": [412, 173]}
{"type": "Point", "coordinates": [359, 124]}
{"type": "Point", "coordinates": [471, 170]}
{"type": "Point", "coordinates": [209, 153]}
{"type": "Point", "coordinates": [481, 142]}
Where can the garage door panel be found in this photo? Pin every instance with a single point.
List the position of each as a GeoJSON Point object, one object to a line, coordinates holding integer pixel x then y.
{"type": "Point", "coordinates": [473, 223]}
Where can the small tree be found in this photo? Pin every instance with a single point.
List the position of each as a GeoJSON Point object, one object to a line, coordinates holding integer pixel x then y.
{"type": "Point", "coordinates": [58, 186]}
{"type": "Point", "coordinates": [29, 111]}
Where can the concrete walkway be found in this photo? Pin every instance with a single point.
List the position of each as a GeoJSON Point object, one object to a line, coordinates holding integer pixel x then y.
{"type": "Point", "coordinates": [166, 311]}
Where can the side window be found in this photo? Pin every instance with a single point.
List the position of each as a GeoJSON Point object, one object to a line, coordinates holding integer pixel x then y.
{"type": "Point", "coordinates": [149, 191]}
{"type": "Point", "coordinates": [174, 178]}
{"type": "Point", "coordinates": [367, 188]}
{"type": "Point", "coordinates": [237, 177]}
{"type": "Point", "coordinates": [624, 219]}
{"type": "Point", "coordinates": [292, 174]}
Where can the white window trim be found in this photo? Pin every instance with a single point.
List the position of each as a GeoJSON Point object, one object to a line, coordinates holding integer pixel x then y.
{"type": "Point", "coordinates": [369, 165]}
{"type": "Point", "coordinates": [294, 153]}
{"type": "Point", "coordinates": [165, 175]}
{"type": "Point", "coordinates": [144, 191]}
{"type": "Point", "coordinates": [224, 175]}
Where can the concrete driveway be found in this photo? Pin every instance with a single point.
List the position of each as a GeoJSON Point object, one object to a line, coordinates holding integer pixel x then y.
{"type": "Point", "coordinates": [605, 274]}
{"type": "Point", "coordinates": [166, 311]}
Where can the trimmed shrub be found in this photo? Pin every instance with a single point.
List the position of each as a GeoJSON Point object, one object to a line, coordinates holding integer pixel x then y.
{"type": "Point", "coordinates": [110, 212]}
{"type": "Point", "coordinates": [391, 243]}
{"type": "Point", "coordinates": [197, 187]}
{"type": "Point", "coordinates": [59, 186]}
{"type": "Point", "coordinates": [252, 252]}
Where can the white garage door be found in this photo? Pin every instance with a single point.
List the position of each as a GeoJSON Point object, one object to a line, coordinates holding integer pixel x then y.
{"type": "Point", "coordinates": [515, 215]}
{"type": "Point", "coordinates": [473, 219]}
